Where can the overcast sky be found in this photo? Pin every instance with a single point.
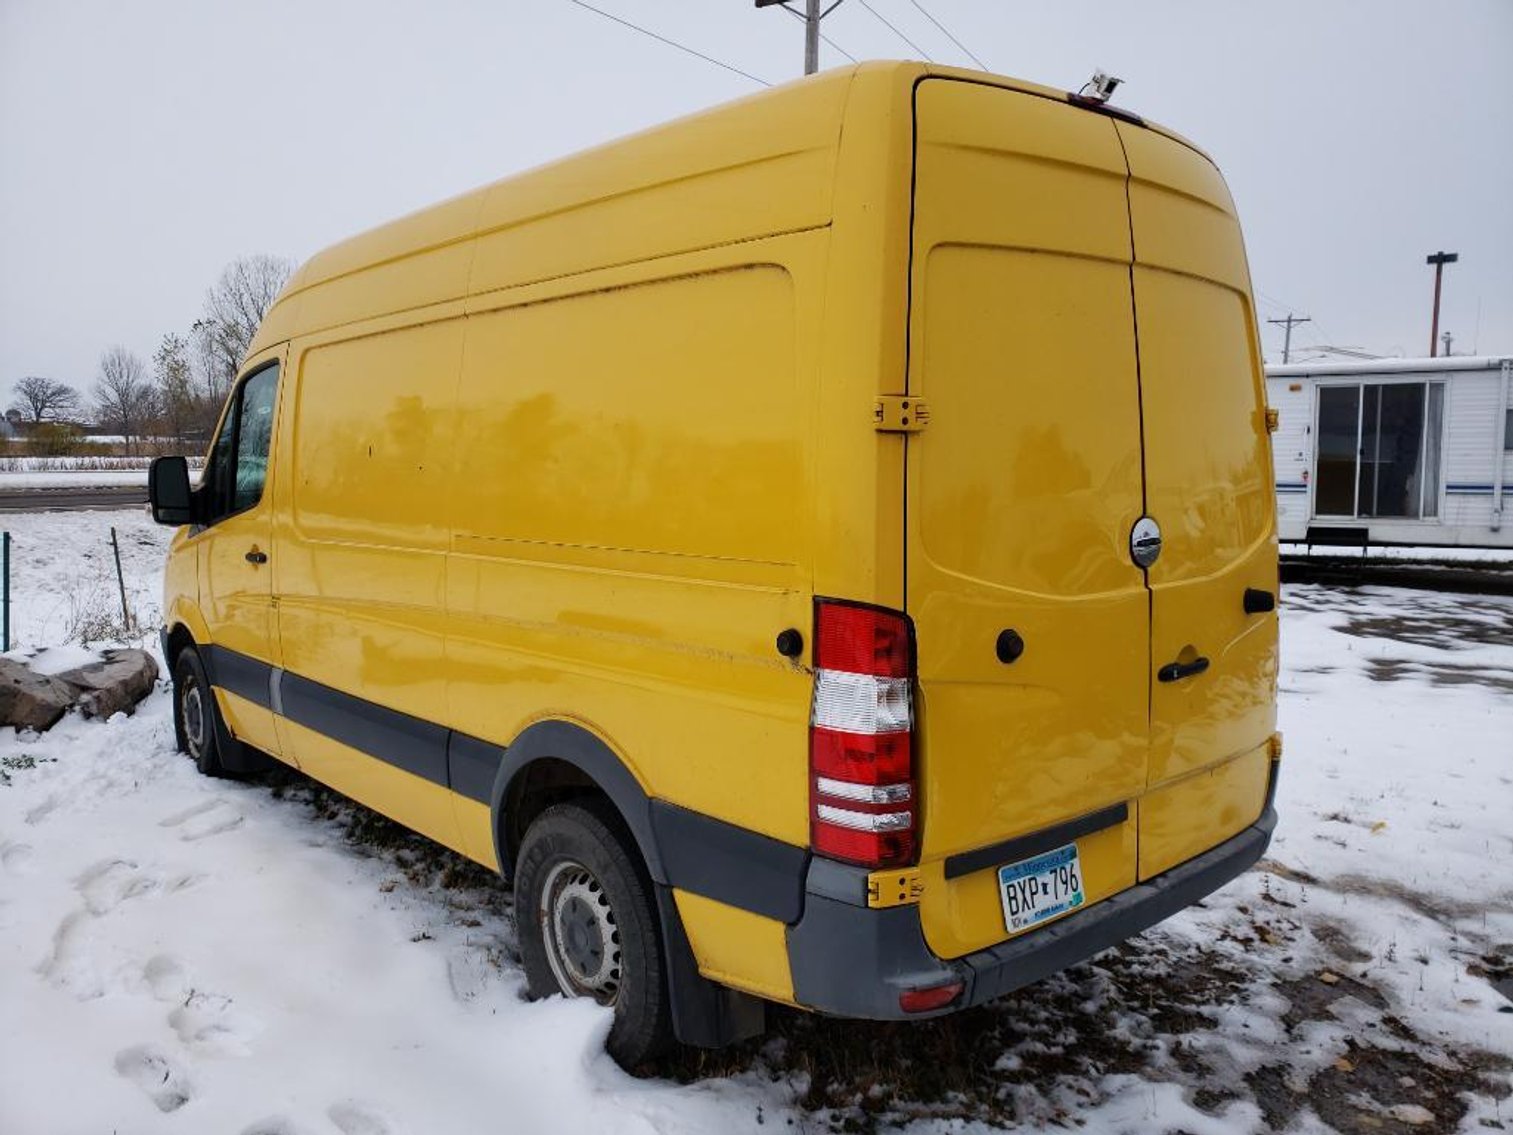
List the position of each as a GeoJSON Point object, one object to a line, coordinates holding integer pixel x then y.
{"type": "Point", "coordinates": [144, 145]}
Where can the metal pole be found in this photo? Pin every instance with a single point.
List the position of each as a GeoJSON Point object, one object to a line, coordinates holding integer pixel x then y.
{"type": "Point", "coordinates": [1439, 272]}
{"type": "Point", "coordinates": [1287, 341]}
{"type": "Point", "coordinates": [120, 580]}
{"type": "Point", "coordinates": [5, 569]}
{"type": "Point", "coordinates": [1439, 260]}
{"type": "Point", "coordinates": [811, 37]}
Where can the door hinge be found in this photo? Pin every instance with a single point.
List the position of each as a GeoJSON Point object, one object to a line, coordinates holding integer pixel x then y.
{"type": "Point", "coordinates": [1273, 420]}
{"type": "Point", "coordinates": [900, 414]}
{"type": "Point", "coordinates": [894, 888]}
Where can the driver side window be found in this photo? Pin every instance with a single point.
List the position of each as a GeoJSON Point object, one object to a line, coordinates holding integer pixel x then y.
{"type": "Point", "coordinates": [238, 466]}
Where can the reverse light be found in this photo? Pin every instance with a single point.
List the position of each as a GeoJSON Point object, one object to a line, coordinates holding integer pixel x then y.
{"type": "Point", "coordinates": [863, 796]}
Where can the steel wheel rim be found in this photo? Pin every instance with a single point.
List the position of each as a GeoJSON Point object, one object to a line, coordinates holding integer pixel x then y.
{"type": "Point", "coordinates": [192, 711]}
{"type": "Point", "coordinates": [580, 933]}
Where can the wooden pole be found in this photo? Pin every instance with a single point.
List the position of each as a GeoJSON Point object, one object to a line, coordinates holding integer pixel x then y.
{"type": "Point", "coordinates": [120, 580]}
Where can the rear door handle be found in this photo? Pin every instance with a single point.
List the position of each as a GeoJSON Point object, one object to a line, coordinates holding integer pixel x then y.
{"type": "Point", "coordinates": [1176, 671]}
{"type": "Point", "coordinates": [256, 557]}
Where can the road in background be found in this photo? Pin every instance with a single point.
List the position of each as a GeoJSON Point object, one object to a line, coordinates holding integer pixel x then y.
{"type": "Point", "coordinates": [52, 499]}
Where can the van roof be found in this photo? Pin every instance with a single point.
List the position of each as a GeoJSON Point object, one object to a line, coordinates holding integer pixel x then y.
{"type": "Point", "coordinates": [804, 115]}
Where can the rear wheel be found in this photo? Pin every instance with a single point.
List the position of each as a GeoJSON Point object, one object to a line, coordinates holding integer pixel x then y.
{"type": "Point", "coordinates": [194, 714]}
{"type": "Point", "coordinates": [588, 924]}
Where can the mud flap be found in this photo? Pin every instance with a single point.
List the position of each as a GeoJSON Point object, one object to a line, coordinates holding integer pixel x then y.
{"type": "Point", "coordinates": [704, 1014]}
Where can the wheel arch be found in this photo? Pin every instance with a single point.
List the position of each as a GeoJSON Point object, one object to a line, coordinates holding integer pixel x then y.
{"type": "Point", "coordinates": [174, 639]}
{"type": "Point", "coordinates": [553, 759]}
{"type": "Point", "coordinates": [572, 758]}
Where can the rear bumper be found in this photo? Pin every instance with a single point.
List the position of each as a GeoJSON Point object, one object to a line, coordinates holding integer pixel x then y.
{"type": "Point", "coordinates": [853, 961]}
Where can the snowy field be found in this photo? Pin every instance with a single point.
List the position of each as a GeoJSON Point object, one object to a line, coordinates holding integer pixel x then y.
{"type": "Point", "coordinates": [76, 472]}
{"type": "Point", "coordinates": [263, 958]}
{"type": "Point", "coordinates": [73, 478]}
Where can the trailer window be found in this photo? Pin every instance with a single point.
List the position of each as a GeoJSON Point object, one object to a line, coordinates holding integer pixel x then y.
{"type": "Point", "coordinates": [1338, 450]}
{"type": "Point", "coordinates": [1378, 450]}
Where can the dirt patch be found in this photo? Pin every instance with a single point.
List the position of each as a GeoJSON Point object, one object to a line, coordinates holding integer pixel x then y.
{"type": "Point", "coordinates": [1495, 967]}
{"type": "Point", "coordinates": [1441, 910]}
{"type": "Point", "coordinates": [1396, 1092]}
{"type": "Point", "coordinates": [1336, 939]}
{"type": "Point", "coordinates": [1279, 1096]}
{"type": "Point", "coordinates": [1283, 871]}
{"type": "Point", "coordinates": [1312, 996]}
{"type": "Point", "coordinates": [1032, 1058]}
{"type": "Point", "coordinates": [1438, 624]}
{"type": "Point", "coordinates": [1439, 674]}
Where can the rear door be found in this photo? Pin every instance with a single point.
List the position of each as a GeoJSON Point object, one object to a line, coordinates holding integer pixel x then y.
{"type": "Point", "coordinates": [1209, 488]}
{"type": "Point", "coordinates": [1022, 492]}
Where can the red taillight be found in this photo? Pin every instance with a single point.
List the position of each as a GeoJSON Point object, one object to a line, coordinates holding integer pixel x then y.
{"type": "Point", "coordinates": [861, 736]}
{"type": "Point", "coordinates": [936, 997]}
{"type": "Point", "coordinates": [862, 640]}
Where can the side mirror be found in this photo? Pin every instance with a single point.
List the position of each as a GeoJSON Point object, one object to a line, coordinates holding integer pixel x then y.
{"type": "Point", "coordinates": [169, 492]}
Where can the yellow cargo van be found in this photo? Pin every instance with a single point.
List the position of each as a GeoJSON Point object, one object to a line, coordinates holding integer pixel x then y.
{"type": "Point", "coordinates": [821, 551]}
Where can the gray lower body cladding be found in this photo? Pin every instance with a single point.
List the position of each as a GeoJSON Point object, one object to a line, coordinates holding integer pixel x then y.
{"type": "Point", "coordinates": [853, 961]}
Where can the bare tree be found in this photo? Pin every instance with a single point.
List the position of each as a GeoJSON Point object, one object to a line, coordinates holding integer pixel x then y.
{"type": "Point", "coordinates": [45, 400]}
{"type": "Point", "coordinates": [234, 308]}
{"type": "Point", "coordinates": [123, 397]}
{"type": "Point", "coordinates": [172, 376]}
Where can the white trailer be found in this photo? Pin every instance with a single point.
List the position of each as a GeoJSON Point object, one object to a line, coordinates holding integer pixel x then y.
{"type": "Point", "coordinates": [1394, 451]}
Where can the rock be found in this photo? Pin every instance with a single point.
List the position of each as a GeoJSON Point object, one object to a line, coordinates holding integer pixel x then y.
{"type": "Point", "coordinates": [115, 683]}
{"type": "Point", "coordinates": [31, 701]}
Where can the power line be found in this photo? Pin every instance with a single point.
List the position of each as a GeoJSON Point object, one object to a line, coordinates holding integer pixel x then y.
{"type": "Point", "coordinates": [949, 36]}
{"type": "Point", "coordinates": [895, 31]}
{"type": "Point", "coordinates": [671, 43]}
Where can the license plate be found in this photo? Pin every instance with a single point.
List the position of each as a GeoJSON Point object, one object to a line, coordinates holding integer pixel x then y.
{"type": "Point", "coordinates": [1040, 888]}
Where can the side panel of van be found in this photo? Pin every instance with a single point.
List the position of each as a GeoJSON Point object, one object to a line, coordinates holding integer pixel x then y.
{"type": "Point", "coordinates": [630, 470]}
{"type": "Point", "coordinates": [1021, 492]}
{"type": "Point", "coordinates": [362, 568]}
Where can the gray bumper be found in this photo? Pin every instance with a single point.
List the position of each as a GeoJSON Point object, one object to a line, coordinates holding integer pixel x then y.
{"type": "Point", "coordinates": [853, 961]}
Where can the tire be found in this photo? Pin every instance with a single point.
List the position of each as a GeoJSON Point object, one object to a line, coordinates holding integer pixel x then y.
{"type": "Point", "coordinates": [588, 924]}
{"type": "Point", "coordinates": [196, 718]}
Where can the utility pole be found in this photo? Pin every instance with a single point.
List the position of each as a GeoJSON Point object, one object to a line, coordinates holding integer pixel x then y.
{"type": "Point", "coordinates": [1439, 260]}
{"type": "Point", "coordinates": [812, 16]}
{"type": "Point", "coordinates": [1287, 341]}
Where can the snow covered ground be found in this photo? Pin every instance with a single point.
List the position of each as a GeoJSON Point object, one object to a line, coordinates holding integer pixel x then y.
{"type": "Point", "coordinates": [73, 478]}
{"type": "Point", "coordinates": [1497, 557]}
{"type": "Point", "coordinates": [262, 958]}
{"type": "Point", "coordinates": [76, 472]}
{"type": "Point", "coordinates": [66, 464]}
